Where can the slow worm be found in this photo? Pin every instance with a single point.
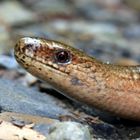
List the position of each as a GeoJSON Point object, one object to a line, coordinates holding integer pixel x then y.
{"type": "Point", "coordinates": [112, 88]}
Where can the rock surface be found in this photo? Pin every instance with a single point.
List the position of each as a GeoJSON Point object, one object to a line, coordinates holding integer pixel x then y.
{"type": "Point", "coordinates": [17, 98]}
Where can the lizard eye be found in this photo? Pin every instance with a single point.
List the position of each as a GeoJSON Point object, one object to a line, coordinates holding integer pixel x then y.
{"type": "Point", "coordinates": [62, 57]}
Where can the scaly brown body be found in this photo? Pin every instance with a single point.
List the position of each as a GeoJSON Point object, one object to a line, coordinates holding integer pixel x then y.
{"type": "Point", "coordinates": [113, 88]}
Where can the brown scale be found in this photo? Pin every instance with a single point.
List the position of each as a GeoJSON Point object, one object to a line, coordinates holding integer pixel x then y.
{"type": "Point", "coordinates": [113, 88]}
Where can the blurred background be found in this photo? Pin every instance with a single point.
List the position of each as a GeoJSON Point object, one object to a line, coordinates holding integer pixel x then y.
{"type": "Point", "coordinates": [106, 29]}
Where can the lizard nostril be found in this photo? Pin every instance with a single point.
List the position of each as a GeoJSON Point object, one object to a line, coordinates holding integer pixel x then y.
{"type": "Point", "coordinates": [29, 45]}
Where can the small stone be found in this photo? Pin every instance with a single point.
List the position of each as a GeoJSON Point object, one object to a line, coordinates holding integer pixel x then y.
{"type": "Point", "coordinates": [5, 42]}
{"type": "Point", "coordinates": [29, 79]}
{"type": "Point", "coordinates": [53, 7]}
{"type": "Point", "coordinates": [13, 12]}
{"type": "Point", "coordinates": [69, 131]}
{"type": "Point", "coordinates": [135, 4]}
{"type": "Point", "coordinates": [8, 62]}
